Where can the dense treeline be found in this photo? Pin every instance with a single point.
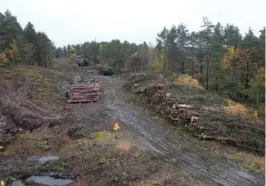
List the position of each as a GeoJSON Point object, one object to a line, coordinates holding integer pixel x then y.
{"type": "Point", "coordinates": [25, 46]}
{"type": "Point", "coordinates": [218, 56]}
{"type": "Point", "coordinates": [114, 53]}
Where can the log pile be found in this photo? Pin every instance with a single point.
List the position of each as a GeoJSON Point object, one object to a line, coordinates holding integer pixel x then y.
{"type": "Point", "coordinates": [83, 93]}
{"type": "Point", "coordinates": [206, 125]}
{"type": "Point", "coordinates": [167, 106]}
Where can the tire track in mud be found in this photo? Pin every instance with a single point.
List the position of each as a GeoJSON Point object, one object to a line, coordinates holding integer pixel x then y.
{"type": "Point", "coordinates": [153, 135]}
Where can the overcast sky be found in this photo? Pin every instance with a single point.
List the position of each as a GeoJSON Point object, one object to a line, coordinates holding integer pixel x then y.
{"type": "Point", "coordinates": [76, 21]}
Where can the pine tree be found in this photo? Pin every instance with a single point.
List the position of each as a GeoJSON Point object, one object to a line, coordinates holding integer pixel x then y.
{"type": "Point", "coordinates": [249, 44]}
{"type": "Point", "coordinates": [162, 45]}
{"type": "Point", "coordinates": [182, 43]}
{"type": "Point", "coordinates": [173, 52]}
{"type": "Point", "coordinates": [208, 37]}
{"type": "Point", "coordinates": [30, 33]}
{"type": "Point", "coordinates": [232, 36]}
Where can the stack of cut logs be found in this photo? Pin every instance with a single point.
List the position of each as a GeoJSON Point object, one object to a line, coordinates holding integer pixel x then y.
{"type": "Point", "coordinates": [83, 93]}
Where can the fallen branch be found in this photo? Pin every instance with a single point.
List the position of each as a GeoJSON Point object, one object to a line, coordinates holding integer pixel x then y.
{"type": "Point", "coordinates": [83, 97]}
{"type": "Point", "coordinates": [82, 94]}
{"type": "Point", "coordinates": [184, 106]}
{"type": "Point", "coordinates": [82, 101]}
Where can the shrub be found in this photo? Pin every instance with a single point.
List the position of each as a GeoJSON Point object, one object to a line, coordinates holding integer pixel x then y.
{"type": "Point", "coordinates": [186, 79]}
{"type": "Point", "coordinates": [3, 60]}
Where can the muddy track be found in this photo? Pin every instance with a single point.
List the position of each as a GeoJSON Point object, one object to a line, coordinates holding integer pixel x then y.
{"type": "Point", "coordinates": [154, 135]}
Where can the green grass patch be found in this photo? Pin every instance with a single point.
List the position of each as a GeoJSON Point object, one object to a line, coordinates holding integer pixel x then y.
{"type": "Point", "coordinates": [102, 135]}
{"type": "Point", "coordinates": [52, 166]}
{"type": "Point", "coordinates": [136, 155]}
{"type": "Point", "coordinates": [41, 145]}
{"type": "Point", "coordinates": [113, 183]}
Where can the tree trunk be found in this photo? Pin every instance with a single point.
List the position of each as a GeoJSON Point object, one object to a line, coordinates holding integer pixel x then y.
{"type": "Point", "coordinates": [247, 67]}
{"type": "Point", "coordinates": [164, 56]}
{"type": "Point", "coordinates": [135, 65]}
{"type": "Point", "coordinates": [192, 66]}
{"type": "Point", "coordinates": [216, 84]}
{"type": "Point", "coordinates": [49, 60]}
{"type": "Point", "coordinates": [201, 69]}
{"type": "Point", "coordinates": [201, 65]}
{"type": "Point", "coordinates": [192, 62]}
{"type": "Point", "coordinates": [257, 95]}
{"type": "Point", "coordinates": [44, 57]}
{"type": "Point", "coordinates": [247, 75]}
{"type": "Point", "coordinates": [207, 74]}
{"type": "Point", "coordinates": [139, 67]}
{"type": "Point", "coordinates": [183, 63]}
{"type": "Point", "coordinates": [39, 62]}
{"type": "Point", "coordinates": [164, 59]}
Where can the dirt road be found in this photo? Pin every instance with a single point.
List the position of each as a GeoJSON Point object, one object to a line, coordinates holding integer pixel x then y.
{"type": "Point", "coordinates": [147, 152]}
{"type": "Point", "coordinates": [157, 136]}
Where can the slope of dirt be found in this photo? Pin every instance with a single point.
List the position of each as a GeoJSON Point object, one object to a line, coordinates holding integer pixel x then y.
{"type": "Point", "coordinates": [28, 99]}
{"type": "Point", "coordinates": [203, 114]}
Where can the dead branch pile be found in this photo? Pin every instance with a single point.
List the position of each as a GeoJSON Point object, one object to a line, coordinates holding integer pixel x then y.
{"type": "Point", "coordinates": [211, 125]}
{"type": "Point", "coordinates": [83, 93]}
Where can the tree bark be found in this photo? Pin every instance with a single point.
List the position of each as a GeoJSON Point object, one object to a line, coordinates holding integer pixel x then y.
{"type": "Point", "coordinates": [247, 73]}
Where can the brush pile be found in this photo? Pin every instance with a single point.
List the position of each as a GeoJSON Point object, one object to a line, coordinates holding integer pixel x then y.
{"type": "Point", "coordinates": [83, 93]}
{"type": "Point", "coordinates": [177, 105]}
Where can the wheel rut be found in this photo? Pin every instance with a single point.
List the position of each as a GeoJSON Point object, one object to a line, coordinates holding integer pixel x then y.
{"type": "Point", "coordinates": [154, 135]}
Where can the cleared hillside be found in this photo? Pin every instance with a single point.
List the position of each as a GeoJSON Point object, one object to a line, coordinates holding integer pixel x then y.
{"type": "Point", "coordinates": [206, 115]}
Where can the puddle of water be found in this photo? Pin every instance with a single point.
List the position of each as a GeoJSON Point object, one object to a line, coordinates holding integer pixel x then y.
{"type": "Point", "coordinates": [18, 183]}
{"type": "Point", "coordinates": [244, 174]}
{"type": "Point", "coordinates": [48, 180]}
{"type": "Point", "coordinates": [48, 158]}
{"type": "Point", "coordinates": [45, 158]}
